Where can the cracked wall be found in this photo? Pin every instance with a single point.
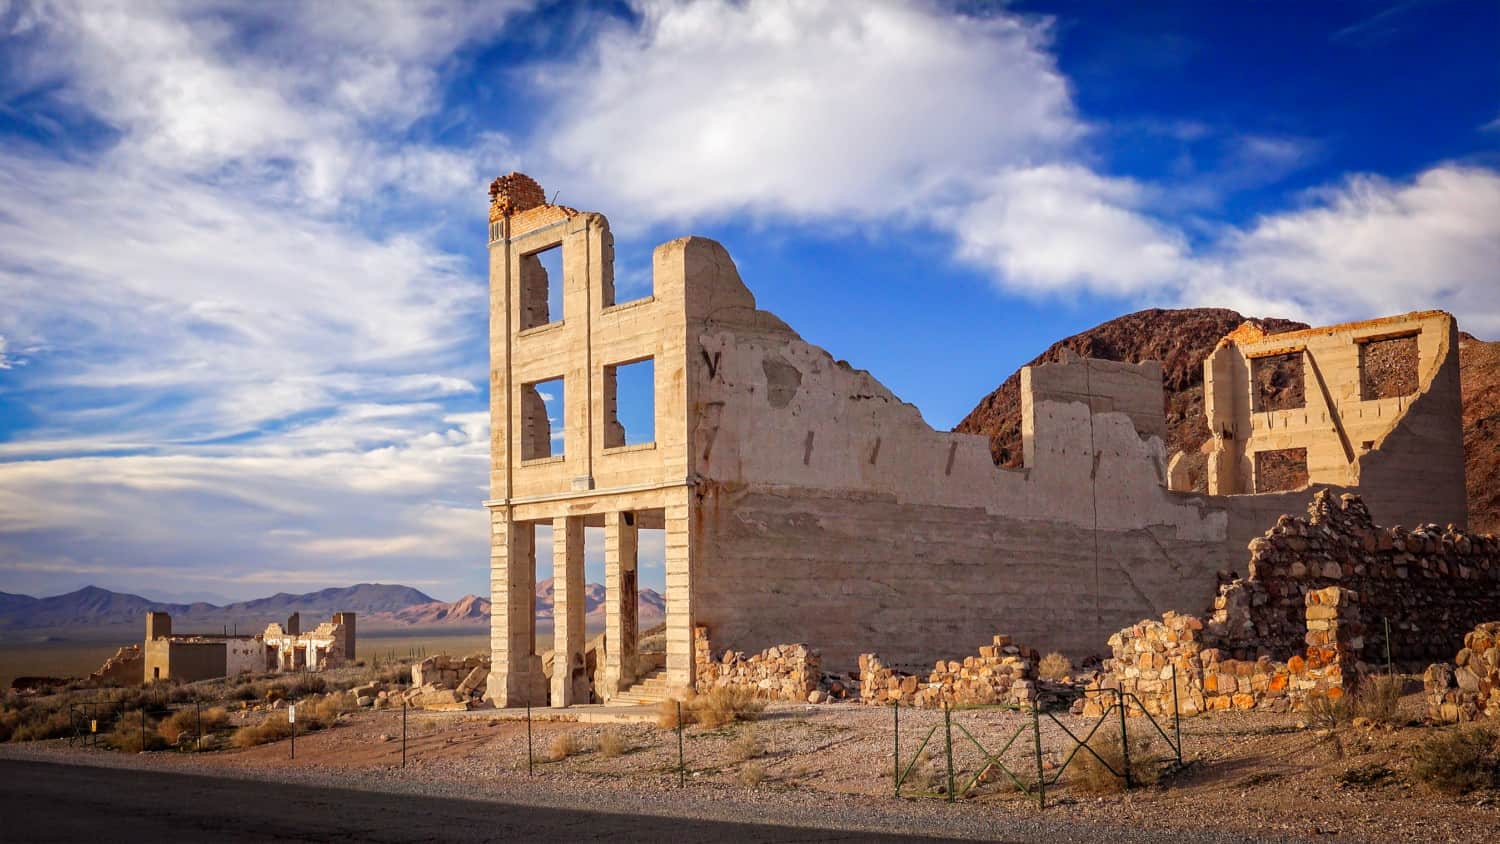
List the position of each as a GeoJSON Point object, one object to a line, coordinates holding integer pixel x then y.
{"type": "Point", "coordinates": [803, 501]}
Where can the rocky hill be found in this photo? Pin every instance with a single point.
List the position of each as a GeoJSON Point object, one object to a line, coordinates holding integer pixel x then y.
{"type": "Point", "coordinates": [1181, 339]}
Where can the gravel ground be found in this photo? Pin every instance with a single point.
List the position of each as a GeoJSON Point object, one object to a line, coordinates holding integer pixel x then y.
{"type": "Point", "coordinates": [1250, 776]}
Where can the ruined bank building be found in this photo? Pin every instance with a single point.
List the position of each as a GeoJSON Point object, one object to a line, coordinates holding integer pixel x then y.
{"type": "Point", "coordinates": [801, 501]}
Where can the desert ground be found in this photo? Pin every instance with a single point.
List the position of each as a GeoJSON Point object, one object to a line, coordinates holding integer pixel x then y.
{"type": "Point", "coordinates": [1246, 776]}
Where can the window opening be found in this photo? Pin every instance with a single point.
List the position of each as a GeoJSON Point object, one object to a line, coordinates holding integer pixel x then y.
{"type": "Point", "coordinates": [630, 403]}
{"type": "Point", "coordinates": [542, 404]}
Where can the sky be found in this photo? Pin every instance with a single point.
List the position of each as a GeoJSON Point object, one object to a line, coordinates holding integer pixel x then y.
{"type": "Point", "coordinates": [242, 246]}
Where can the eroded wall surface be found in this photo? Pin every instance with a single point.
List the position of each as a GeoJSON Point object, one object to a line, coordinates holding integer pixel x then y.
{"type": "Point", "coordinates": [803, 501]}
{"type": "Point", "coordinates": [1378, 407]}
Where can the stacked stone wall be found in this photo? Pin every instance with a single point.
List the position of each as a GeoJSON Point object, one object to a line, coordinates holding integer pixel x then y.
{"type": "Point", "coordinates": [1470, 687]}
{"type": "Point", "coordinates": [1312, 615]}
{"type": "Point", "coordinates": [1002, 673]}
{"type": "Point", "coordinates": [445, 682]}
{"type": "Point", "coordinates": [126, 667]}
{"type": "Point", "coordinates": [780, 672]}
{"type": "Point", "coordinates": [1430, 584]}
{"type": "Point", "coordinates": [1151, 657]}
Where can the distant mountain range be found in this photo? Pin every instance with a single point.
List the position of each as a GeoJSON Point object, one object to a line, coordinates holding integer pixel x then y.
{"type": "Point", "coordinates": [92, 612]}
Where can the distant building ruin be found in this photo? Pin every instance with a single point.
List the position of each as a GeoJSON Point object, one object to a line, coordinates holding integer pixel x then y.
{"type": "Point", "coordinates": [803, 502]}
{"type": "Point", "coordinates": [206, 656]}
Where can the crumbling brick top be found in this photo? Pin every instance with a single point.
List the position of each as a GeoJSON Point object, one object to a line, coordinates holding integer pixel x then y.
{"type": "Point", "coordinates": [1248, 333]}
{"type": "Point", "coordinates": [514, 193]}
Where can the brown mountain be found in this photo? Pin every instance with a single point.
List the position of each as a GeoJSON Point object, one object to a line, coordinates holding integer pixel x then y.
{"type": "Point", "coordinates": [1181, 339]}
{"type": "Point", "coordinates": [651, 607]}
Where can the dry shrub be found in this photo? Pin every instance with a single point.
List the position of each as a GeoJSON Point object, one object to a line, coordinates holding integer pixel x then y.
{"type": "Point", "coordinates": [1054, 666]}
{"type": "Point", "coordinates": [752, 775]}
{"type": "Point", "coordinates": [328, 708]}
{"type": "Point", "coordinates": [1378, 698]}
{"type": "Point", "coordinates": [1459, 761]}
{"type": "Point", "coordinates": [186, 722]}
{"type": "Point", "coordinates": [723, 705]}
{"type": "Point", "coordinates": [563, 745]}
{"type": "Point", "coordinates": [667, 713]}
{"type": "Point", "coordinates": [40, 727]}
{"type": "Point", "coordinates": [613, 743]}
{"type": "Point", "coordinates": [748, 746]}
{"type": "Point", "coordinates": [273, 728]}
{"type": "Point", "coordinates": [1328, 711]}
{"type": "Point", "coordinates": [1089, 774]}
{"type": "Point", "coordinates": [128, 737]}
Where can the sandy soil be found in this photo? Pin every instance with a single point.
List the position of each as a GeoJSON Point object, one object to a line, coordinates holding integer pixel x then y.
{"type": "Point", "coordinates": [1248, 775]}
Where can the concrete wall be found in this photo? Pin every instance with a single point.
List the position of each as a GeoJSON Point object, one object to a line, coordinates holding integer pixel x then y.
{"type": "Point", "coordinates": [244, 654]}
{"type": "Point", "coordinates": [803, 501]}
{"type": "Point", "coordinates": [185, 661]}
{"type": "Point", "coordinates": [1405, 452]}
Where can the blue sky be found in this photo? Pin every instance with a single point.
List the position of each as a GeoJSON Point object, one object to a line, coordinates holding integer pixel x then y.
{"type": "Point", "coordinates": [242, 245]}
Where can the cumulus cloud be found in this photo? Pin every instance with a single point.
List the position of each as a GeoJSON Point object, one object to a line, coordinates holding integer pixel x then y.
{"type": "Point", "coordinates": [1370, 246]}
{"type": "Point", "coordinates": [804, 109]}
{"type": "Point", "coordinates": [1061, 227]}
{"type": "Point", "coordinates": [242, 363]}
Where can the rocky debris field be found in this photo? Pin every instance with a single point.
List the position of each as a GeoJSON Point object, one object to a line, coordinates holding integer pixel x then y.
{"type": "Point", "coordinates": [1249, 775]}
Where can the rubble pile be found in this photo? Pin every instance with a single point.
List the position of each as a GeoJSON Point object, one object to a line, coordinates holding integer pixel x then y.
{"type": "Point", "coordinates": [1002, 673]}
{"type": "Point", "coordinates": [780, 672]}
{"type": "Point", "coordinates": [1469, 688]}
{"type": "Point", "coordinates": [446, 683]}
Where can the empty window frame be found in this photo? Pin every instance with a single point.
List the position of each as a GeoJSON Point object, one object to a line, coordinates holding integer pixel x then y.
{"type": "Point", "coordinates": [1277, 382]}
{"type": "Point", "coordinates": [630, 403]}
{"type": "Point", "coordinates": [1280, 470]}
{"type": "Point", "coordinates": [542, 404]}
{"type": "Point", "coordinates": [1388, 367]}
{"type": "Point", "coordinates": [541, 287]}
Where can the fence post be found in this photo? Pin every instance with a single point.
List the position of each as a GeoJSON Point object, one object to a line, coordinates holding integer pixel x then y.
{"type": "Point", "coordinates": [948, 746]}
{"type": "Point", "coordinates": [143, 728]}
{"type": "Point", "coordinates": [896, 761]}
{"type": "Point", "coordinates": [291, 717]}
{"type": "Point", "coordinates": [1124, 737]}
{"type": "Point", "coordinates": [1389, 672]}
{"type": "Point", "coordinates": [403, 732]}
{"type": "Point", "coordinates": [1176, 716]}
{"type": "Point", "coordinates": [681, 759]}
{"type": "Point", "coordinates": [1036, 736]}
{"type": "Point", "coordinates": [529, 759]}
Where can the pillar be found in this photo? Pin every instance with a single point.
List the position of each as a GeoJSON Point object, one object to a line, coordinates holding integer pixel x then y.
{"type": "Point", "coordinates": [621, 630]}
{"type": "Point", "coordinates": [569, 675]}
{"type": "Point", "coordinates": [679, 589]}
{"type": "Point", "coordinates": [515, 669]}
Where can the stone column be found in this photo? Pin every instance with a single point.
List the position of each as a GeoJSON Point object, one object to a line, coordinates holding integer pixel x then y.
{"type": "Point", "coordinates": [678, 555]}
{"type": "Point", "coordinates": [515, 669]}
{"type": "Point", "coordinates": [620, 623]}
{"type": "Point", "coordinates": [569, 676]}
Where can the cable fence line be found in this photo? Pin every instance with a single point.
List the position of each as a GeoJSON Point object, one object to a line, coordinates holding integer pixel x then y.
{"type": "Point", "coordinates": [953, 752]}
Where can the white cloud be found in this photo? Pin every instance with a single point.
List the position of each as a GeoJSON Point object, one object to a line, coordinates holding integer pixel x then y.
{"type": "Point", "coordinates": [4, 361]}
{"type": "Point", "coordinates": [1065, 227]}
{"type": "Point", "coordinates": [1369, 247]}
{"type": "Point", "coordinates": [806, 108]}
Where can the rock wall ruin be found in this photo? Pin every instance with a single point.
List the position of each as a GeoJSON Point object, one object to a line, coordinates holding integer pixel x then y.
{"type": "Point", "coordinates": [803, 501]}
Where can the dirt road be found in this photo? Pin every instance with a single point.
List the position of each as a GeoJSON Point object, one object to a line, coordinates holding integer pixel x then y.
{"type": "Point", "coordinates": [46, 802]}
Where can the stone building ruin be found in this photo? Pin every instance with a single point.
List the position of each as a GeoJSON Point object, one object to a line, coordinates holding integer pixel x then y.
{"type": "Point", "coordinates": [206, 656]}
{"type": "Point", "coordinates": [803, 502]}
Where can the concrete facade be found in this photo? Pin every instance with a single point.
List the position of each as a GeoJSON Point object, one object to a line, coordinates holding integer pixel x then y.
{"type": "Point", "coordinates": [1400, 450]}
{"type": "Point", "coordinates": [803, 501]}
{"type": "Point", "coordinates": [191, 657]}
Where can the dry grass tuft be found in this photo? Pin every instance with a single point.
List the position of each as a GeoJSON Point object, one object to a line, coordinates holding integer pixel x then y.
{"type": "Point", "coordinates": [724, 705]}
{"type": "Point", "coordinates": [748, 746]}
{"type": "Point", "coordinates": [613, 743]}
{"type": "Point", "coordinates": [184, 723]}
{"type": "Point", "coordinates": [563, 745]}
{"type": "Point", "coordinates": [752, 775]}
{"type": "Point", "coordinates": [1054, 666]}
{"type": "Point", "coordinates": [1459, 760]}
{"type": "Point", "coordinates": [127, 736]}
{"type": "Point", "coordinates": [274, 728]}
{"type": "Point", "coordinates": [1089, 773]}
{"type": "Point", "coordinates": [1377, 698]}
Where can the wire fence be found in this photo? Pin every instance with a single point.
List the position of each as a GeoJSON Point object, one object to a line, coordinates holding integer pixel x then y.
{"type": "Point", "coordinates": [951, 753]}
